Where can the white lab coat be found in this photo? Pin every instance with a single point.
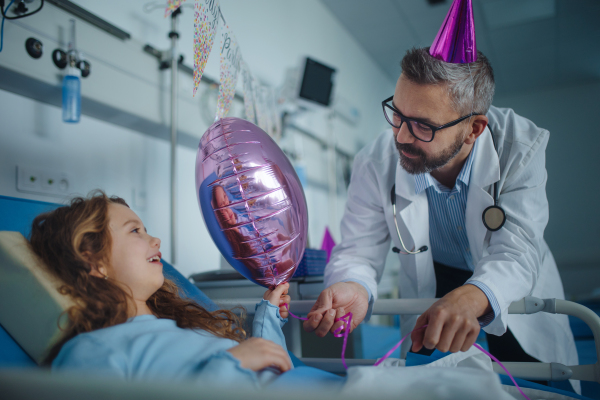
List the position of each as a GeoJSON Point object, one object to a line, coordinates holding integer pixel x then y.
{"type": "Point", "coordinates": [513, 262]}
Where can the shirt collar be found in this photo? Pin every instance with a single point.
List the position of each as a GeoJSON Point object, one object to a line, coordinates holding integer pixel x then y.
{"type": "Point", "coordinates": [424, 181]}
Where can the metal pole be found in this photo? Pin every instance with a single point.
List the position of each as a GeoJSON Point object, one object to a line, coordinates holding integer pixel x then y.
{"type": "Point", "coordinates": [174, 35]}
{"type": "Point", "coordinates": [332, 175]}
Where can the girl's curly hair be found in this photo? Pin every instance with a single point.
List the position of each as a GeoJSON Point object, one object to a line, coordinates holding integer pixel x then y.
{"type": "Point", "coordinates": [69, 238]}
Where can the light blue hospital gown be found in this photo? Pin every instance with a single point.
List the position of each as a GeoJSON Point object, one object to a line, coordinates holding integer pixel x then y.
{"type": "Point", "coordinates": [147, 347]}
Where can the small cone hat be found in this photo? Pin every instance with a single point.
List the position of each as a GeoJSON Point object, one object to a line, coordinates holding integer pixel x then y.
{"type": "Point", "coordinates": [455, 41]}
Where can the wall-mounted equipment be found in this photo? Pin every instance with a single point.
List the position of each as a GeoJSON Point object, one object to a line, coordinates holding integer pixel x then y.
{"type": "Point", "coordinates": [34, 47]}
{"type": "Point", "coordinates": [59, 58]}
{"type": "Point", "coordinates": [20, 9]}
{"type": "Point", "coordinates": [71, 87]}
{"type": "Point", "coordinates": [317, 81]}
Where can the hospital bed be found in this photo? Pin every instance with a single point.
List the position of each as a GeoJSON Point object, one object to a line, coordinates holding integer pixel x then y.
{"type": "Point", "coordinates": [20, 377]}
{"type": "Point", "coordinates": [528, 305]}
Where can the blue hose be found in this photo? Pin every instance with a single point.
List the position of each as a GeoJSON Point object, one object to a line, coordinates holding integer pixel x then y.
{"type": "Point", "coordinates": [2, 27]}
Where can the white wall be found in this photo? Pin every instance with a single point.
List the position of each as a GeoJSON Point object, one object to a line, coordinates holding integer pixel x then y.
{"type": "Point", "coordinates": [273, 36]}
{"type": "Point", "coordinates": [573, 233]}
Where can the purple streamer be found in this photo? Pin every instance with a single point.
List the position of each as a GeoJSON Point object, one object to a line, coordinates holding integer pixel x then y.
{"type": "Point", "coordinates": [347, 322]}
{"type": "Point", "coordinates": [389, 353]}
{"type": "Point", "coordinates": [503, 367]}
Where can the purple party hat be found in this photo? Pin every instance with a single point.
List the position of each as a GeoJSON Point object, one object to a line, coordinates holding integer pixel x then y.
{"type": "Point", "coordinates": [455, 42]}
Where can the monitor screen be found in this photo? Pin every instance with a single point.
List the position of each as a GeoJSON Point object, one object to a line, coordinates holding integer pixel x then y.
{"type": "Point", "coordinates": [317, 82]}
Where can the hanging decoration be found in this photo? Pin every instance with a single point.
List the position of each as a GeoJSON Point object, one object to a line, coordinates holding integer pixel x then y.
{"type": "Point", "coordinates": [206, 21]}
{"type": "Point", "coordinates": [231, 58]}
{"type": "Point", "coordinates": [260, 106]}
{"type": "Point", "coordinates": [248, 93]}
{"type": "Point", "coordinates": [259, 101]}
{"type": "Point", "coordinates": [172, 5]}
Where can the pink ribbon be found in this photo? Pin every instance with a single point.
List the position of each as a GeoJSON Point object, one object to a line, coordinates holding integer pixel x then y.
{"type": "Point", "coordinates": [347, 320]}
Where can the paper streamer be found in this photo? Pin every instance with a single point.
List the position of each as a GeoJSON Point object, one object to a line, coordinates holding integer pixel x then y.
{"type": "Point", "coordinates": [206, 21]}
{"type": "Point", "coordinates": [248, 93]}
{"type": "Point", "coordinates": [274, 115]}
{"type": "Point", "coordinates": [172, 5]}
{"type": "Point", "coordinates": [260, 106]}
{"type": "Point", "coordinates": [231, 58]}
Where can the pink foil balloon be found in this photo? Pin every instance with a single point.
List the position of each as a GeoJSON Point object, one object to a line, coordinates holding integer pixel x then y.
{"type": "Point", "coordinates": [455, 41]}
{"type": "Point", "coordinates": [251, 201]}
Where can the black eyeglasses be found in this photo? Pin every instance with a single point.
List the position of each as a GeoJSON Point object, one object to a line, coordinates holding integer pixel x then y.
{"type": "Point", "coordinates": [419, 129]}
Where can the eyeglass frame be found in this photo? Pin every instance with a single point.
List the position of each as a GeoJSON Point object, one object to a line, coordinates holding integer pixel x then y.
{"type": "Point", "coordinates": [403, 118]}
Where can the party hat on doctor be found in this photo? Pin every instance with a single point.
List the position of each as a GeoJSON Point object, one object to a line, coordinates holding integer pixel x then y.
{"type": "Point", "coordinates": [455, 41]}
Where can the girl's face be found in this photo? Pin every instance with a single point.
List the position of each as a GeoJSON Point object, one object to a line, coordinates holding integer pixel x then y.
{"type": "Point", "coordinates": [135, 256]}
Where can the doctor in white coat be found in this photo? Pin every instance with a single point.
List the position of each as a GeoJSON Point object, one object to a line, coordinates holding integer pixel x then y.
{"type": "Point", "coordinates": [441, 158]}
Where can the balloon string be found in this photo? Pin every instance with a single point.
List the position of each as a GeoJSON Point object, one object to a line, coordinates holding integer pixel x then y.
{"type": "Point", "coordinates": [347, 320]}
{"type": "Point", "coordinates": [389, 353]}
{"type": "Point", "coordinates": [503, 367]}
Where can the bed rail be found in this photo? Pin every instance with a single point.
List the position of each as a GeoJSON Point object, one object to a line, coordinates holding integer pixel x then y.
{"type": "Point", "coordinates": [528, 305]}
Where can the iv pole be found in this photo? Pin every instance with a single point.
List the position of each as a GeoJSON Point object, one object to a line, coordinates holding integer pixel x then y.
{"type": "Point", "coordinates": [174, 35]}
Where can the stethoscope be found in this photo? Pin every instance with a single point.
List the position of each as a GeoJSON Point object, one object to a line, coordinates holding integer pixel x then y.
{"type": "Point", "coordinates": [493, 217]}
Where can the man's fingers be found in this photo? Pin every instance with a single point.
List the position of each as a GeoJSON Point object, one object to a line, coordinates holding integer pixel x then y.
{"type": "Point", "coordinates": [318, 310]}
{"type": "Point", "coordinates": [433, 331]}
{"type": "Point", "coordinates": [338, 324]}
{"type": "Point", "coordinates": [470, 339]}
{"type": "Point", "coordinates": [323, 302]}
{"type": "Point", "coordinates": [458, 340]}
{"type": "Point", "coordinates": [326, 323]}
{"type": "Point", "coordinates": [417, 334]}
{"type": "Point", "coordinates": [451, 327]}
{"type": "Point", "coordinates": [312, 323]}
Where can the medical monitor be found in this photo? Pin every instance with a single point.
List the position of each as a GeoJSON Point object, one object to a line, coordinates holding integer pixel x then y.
{"type": "Point", "coordinates": [316, 84]}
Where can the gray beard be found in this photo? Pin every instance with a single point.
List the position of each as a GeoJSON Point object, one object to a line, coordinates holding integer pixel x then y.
{"type": "Point", "coordinates": [422, 164]}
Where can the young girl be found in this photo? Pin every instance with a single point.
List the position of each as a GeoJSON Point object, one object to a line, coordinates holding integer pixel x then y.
{"type": "Point", "coordinates": [130, 321]}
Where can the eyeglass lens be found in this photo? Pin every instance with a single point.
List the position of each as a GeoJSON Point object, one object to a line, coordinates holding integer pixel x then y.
{"type": "Point", "coordinates": [419, 130]}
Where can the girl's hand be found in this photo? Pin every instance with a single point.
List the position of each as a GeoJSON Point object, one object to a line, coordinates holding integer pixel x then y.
{"type": "Point", "coordinates": [256, 354]}
{"type": "Point", "coordinates": [278, 297]}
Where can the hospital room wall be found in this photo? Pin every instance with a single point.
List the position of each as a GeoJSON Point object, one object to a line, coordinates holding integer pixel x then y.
{"type": "Point", "coordinates": [573, 231]}
{"type": "Point", "coordinates": [97, 154]}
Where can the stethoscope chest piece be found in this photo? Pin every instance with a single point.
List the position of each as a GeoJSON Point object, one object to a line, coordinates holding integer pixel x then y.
{"type": "Point", "coordinates": [494, 218]}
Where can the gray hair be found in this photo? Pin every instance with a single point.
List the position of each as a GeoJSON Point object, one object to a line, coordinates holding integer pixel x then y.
{"type": "Point", "coordinates": [423, 69]}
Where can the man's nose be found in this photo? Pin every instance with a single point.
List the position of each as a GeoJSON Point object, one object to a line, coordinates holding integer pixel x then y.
{"type": "Point", "coordinates": [403, 135]}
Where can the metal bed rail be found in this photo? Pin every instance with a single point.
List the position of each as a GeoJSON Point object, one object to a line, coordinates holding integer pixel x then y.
{"type": "Point", "coordinates": [528, 305]}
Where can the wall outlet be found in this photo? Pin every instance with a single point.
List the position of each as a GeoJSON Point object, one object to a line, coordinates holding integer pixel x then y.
{"type": "Point", "coordinates": [42, 181]}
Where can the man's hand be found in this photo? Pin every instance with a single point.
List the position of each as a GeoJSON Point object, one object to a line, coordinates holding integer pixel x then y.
{"type": "Point", "coordinates": [335, 302]}
{"type": "Point", "coordinates": [452, 321]}
{"type": "Point", "coordinates": [256, 354]}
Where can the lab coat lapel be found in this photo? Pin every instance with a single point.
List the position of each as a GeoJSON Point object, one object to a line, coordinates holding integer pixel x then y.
{"type": "Point", "coordinates": [413, 222]}
{"type": "Point", "coordinates": [485, 171]}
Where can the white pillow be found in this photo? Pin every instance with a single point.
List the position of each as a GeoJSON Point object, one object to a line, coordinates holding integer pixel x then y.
{"type": "Point", "coordinates": [30, 304]}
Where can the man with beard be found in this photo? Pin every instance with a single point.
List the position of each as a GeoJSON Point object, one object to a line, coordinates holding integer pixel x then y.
{"type": "Point", "coordinates": [424, 185]}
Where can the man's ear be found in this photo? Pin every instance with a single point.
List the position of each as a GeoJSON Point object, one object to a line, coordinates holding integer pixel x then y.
{"type": "Point", "coordinates": [478, 124]}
